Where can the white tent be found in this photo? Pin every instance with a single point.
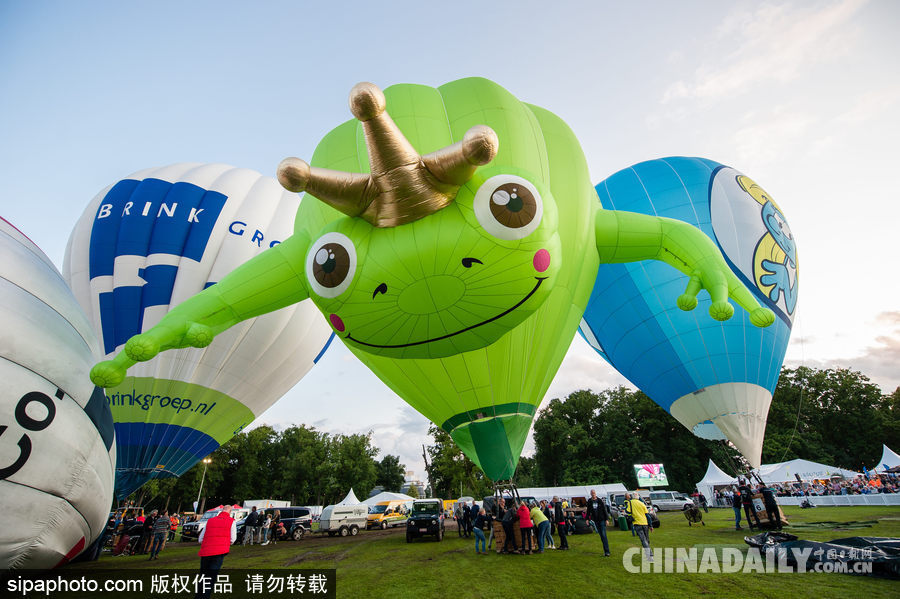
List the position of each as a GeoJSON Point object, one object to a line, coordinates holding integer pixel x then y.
{"type": "Point", "coordinates": [714, 477]}
{"type": "Point", "coordinates": [350, 499]}
{"type": "Point", "coordinates": [773, 473]}
{"type": "Point", "coordinates": [889, 459]}
{"type": "Point", "coordinates": [806, 470]}
{"type": "Point", "coordinates": [387, 496]}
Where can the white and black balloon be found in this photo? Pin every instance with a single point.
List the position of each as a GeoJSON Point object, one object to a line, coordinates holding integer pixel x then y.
{"type": "Point", "coordinates": [57, 449]}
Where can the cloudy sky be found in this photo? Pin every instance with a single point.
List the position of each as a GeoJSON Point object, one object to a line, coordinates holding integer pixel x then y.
{"type": "Point", "coordinates": [802, 96]}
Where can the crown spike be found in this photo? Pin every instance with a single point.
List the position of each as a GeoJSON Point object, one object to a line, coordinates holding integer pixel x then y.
{"type": "Point", "coordinates": [456, 164]}
{"type": "Point", "coordinates": [387, 146]}
{"type": "Point", "coordinates": [351, 193]}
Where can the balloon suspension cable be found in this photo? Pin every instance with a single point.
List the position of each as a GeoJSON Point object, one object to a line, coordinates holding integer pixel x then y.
{"type": "Point", "coordinates": [741, 467]}
{"type": "Point", "coordinates": [800, 402]}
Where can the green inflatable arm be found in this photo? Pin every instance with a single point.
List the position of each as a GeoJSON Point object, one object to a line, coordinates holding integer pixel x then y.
{"type": "Point", "coordinates": [271, 281]}
{"type": "Point", "coordinates": [629, 237]}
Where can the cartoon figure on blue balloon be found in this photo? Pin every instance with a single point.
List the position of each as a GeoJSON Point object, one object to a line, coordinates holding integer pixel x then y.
{"type": "Point", "coordinates": [775, 261]}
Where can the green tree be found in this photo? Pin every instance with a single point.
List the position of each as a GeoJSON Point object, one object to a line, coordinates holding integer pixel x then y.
{"type": "Point", "coordinates": [351, 458]}
{"type": "Point", "coordinates": [413, 491]}
{"type": "Point", "coordinates": [389, 473]}
{"type": "Point", "coordinates": [301, 474]}
{"type": "Point", "coordinates": [834, 416]}
{"type": "Point", "coordinates": [595, 438]}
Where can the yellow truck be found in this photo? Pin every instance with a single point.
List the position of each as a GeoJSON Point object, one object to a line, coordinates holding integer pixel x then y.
{"type": "Point", "coordinates": [388, 513]}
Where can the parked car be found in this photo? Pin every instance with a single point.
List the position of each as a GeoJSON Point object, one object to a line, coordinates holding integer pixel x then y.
{"type": "Point", "coordinates": [343, 519]}
{"type": "Point", "coordinates": [387, 513]}
{"type": "Point", "coordinates": [425, 519]}
{"type": "Point", "coordinates": [296, 519]}
{"type": "Point", "coordinates": [191, 530]}
{"type": "Point", "coordinates": [669, 500]}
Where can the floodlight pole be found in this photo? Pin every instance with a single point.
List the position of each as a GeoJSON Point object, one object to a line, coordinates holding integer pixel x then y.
{"type": "Point", "coordinates": [206, 462]}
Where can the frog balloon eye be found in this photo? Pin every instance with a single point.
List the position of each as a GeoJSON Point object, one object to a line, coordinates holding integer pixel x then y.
{"type": "Point", "coordinates": [508, 207]}
{"type": "Point", "coordinates": [330, 264]}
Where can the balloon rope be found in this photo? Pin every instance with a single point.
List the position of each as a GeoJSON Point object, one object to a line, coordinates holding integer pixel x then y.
{"type": "Point", "coordinates": [735, 467]}
{"type": "Point", "coordinates": [802, 389]}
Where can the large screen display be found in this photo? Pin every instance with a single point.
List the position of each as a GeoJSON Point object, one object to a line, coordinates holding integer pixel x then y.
{"type": "Point", "coordinates": [650, 475]}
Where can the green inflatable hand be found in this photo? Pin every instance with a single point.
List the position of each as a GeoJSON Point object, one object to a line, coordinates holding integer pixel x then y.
{"type": "Point", "coordinates": [453, 250]}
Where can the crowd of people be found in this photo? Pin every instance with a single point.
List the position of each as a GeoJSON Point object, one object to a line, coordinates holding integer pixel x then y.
{"type": "Point", "coordinates": [130, 532]}
{"type": "Point", "coordinates": [133, 533]}
{"type": "Point", "coordinates": [861, 485]}
{"type": "Point", "coordinates": [538, 521]}
{"type": "Point", "coordinates": [864, 484]}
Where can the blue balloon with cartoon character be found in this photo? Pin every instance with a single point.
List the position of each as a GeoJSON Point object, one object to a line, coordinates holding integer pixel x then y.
{"type": "Point", "coordinates": [716, 378]}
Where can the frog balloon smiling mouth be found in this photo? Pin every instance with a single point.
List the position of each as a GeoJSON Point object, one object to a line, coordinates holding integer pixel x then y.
{"type": "Point", "coordinates": [339, 325]}
{"type": "Point", "coordinates": [451, 236]}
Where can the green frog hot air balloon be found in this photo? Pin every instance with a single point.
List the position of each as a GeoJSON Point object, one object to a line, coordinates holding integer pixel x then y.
{"type": "Point", "coordinates": [453, 250]}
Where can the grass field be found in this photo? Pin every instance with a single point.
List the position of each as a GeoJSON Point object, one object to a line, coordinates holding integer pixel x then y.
{"type": "Point", "coordinates": [381, 564]}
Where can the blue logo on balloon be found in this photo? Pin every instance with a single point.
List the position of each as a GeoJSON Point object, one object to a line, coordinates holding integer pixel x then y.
{"type": "Point", "coordinates": [149, 226]}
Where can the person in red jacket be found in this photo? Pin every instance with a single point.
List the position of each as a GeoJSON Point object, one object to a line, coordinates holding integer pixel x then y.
{"type": "Point", "coordinates": [215, 543]}
{"type": "Point", "coordinates": [525, 526]}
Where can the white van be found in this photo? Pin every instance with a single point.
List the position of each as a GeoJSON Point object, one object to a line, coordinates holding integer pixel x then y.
{"type": "Point", "coordinates": [669, 500]}
{"type": "Point", "coordinates": [343, 519]}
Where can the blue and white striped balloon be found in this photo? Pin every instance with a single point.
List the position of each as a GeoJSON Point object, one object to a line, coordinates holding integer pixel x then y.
{"type": "Point", "coordinates": [149, 242]}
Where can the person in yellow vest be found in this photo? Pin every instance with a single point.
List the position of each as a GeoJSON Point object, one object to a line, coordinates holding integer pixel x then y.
{"type": "Point", "coordinates": [542, 524]}
{"type": "Point", "coordinates": [638, 511]}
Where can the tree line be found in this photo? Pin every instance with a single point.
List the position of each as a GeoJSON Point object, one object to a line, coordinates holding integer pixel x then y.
{"type": "Point", "coordinates": [299, 464]}
{"type": "Point", "coordinates": [834, 416]}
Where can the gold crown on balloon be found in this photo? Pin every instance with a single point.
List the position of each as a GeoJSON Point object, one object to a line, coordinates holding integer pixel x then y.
{"type": "Point", "coordinates": [402, 186]}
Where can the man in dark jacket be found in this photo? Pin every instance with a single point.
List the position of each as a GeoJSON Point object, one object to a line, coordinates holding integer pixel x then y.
{"type": "Point", "coordinates": [507, 518]}
{"type": "Point", "coordinates": [597, 511]}
{"type": "Point", "coordinates": [250, 525]}
{"type": "Point", "coordinates": [467, 520]}
{"type": "Point", "coordinates": [772, 511]}
{"type": "Point", "coordinates": [559, 517]}
{"type": "Point", "coordinates": [473, 513]}
{"type": "Point", "coordinates": [747, 501]}
{"type": "Point", "coordinates": [146, 533]}
{"type": "Point", "coordinates": [703, 502]}
{"type": "Point", "coordinates": [736, 505]}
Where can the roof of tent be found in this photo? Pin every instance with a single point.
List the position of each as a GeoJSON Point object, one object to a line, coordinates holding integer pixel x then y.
{"type": "Point", "coordinates": [889, 458]}
{"type": "Point", "coordinates": [387, 496]}
{"type": "Point", "coordinates": [567, 492]}
{"type": "Point", "coordinates": [778, 473]}
{"type": "Point", "coordinates": [716, 476]}
{"type": "Point", "coordinates": [787, 471]}
{"type": "Point", "coordinates": [350, 499]}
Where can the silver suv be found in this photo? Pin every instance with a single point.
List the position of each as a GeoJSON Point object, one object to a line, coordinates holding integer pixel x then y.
{"type": "Point", "coordinates": [669, 500]}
